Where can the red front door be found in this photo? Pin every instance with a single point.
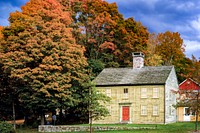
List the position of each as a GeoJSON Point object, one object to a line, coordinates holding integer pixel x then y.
{"type": "Point", "coordinates": [125, 113]}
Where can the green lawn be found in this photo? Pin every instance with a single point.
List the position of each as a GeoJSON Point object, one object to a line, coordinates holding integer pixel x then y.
{"type": "Point", "coordinates": [169, 128]}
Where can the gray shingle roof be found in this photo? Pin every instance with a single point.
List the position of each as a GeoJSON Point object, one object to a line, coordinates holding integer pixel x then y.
{"type": "Point", "coordinates": [130, 76]}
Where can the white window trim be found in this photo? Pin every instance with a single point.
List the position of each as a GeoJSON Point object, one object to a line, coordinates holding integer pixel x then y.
{"type": "Point", "coordinates": [125, 94]}
{"type": "Point", "coordinates": [155, 110]}
{"type": "Point", "coordinates": [108, 92]}
{"type": "Point", "coordinates": [143, 92]}
{"type": "Point", "coordinates": [170, 111]}
{"type": "Point", "coordinates": [143, 110]}
{"type": "Point", "coordinates": [155, 93]}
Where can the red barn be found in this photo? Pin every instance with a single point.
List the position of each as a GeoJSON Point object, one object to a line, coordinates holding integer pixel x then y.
{"type": "Point", "coordinates": [189, 84]}
{"type": "Point", "coordinates": [184, 113]}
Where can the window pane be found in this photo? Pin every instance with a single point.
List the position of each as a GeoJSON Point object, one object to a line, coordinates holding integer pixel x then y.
{"type": "Point", "coordinates": [155, 92]}
{"type": "Point", "coordinates": [108, 92]}
{"type": "Point", "coordinates": [143, 110]}
{"type": "Point", "coordinates": [125, 90]}
{"type": "Point", "coordinates": [155, 110]}
{"type": "Point", "coordinates": [143, 92]}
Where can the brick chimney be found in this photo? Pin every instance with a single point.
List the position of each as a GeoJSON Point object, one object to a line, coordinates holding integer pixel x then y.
{"type": "Point", "coordinates": [138, 60]}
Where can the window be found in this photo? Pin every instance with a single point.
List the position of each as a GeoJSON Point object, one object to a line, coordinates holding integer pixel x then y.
{"type": "Point", "coordinates": [143, 110]}
{"type": "Point", "coordinates": [108, 92]}
{"type": "Point", "coordinates": [187, 111]}
{"type": "Point", "coordinates": [155, 110]}
{"type": "Point", "coordinates": [155, 92]}
{"type": "Point", "coordinates": [143, 92]}
{"type": "Point", "coordinates": [170, 110]}
{"type": "Point", "coordinates": [109, 108]}
{"type": "Point", "coordinates": [125, 90]}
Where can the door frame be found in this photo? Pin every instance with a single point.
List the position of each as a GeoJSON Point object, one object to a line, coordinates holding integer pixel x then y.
{"type": "Point", "coordinates": [121, 105]}
{"type": "Point", "coordinates": [125, 109]}
{"type": "Point", "coordinates": [186, 117]}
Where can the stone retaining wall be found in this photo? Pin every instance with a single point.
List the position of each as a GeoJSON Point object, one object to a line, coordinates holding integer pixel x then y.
{"type": "Point", "coordinates": [66, 128]}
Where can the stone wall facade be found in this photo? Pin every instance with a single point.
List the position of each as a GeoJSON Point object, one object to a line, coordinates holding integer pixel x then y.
{"type": "Point", "coordinates": [134, 101]}
{"type": "Point", "coordinates": [66, 128]}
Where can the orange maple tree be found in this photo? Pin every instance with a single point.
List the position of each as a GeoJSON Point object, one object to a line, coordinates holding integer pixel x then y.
{"type": "Point", "coordinates": [38, 47]}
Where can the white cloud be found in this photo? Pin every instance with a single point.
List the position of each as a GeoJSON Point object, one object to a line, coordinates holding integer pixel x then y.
{"type": "Point", "coordinates": [186, 5]}
{"type": "Point", "coordinates": [195, 24]}
{"type": "Point", "coordinates": [149, 3]}
{"type": "Point", "coordinates": [192, 47]}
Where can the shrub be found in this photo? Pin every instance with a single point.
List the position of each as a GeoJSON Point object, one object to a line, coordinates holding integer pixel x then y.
{"type": "Point", "coordinates": [6, 127]}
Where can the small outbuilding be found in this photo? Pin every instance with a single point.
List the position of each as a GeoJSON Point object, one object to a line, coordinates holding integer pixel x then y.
{"type": "Point", "coordinates": [184, 113]}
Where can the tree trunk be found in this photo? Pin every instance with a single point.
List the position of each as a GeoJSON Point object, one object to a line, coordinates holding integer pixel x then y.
{"type": "Point", "coordinates": [196, 123]}
{"type": "Point", "coordinates": [90, 121]}
{"type": "Point", "coordinates": [60, 116]}
{"type": "Point", "coordinates": [90, 111]}
{"type": "Point", "coordinates": [14, 121]}
{"type": "Point", "coordinates": [197, 112]}
{"type": "Point", "coordinates": [42, 119]}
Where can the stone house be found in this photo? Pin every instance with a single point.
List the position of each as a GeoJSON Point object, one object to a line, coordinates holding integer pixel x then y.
{"type": "Point", "coordinates": [183, 112]}
{"type": "Point", "coordinates": [140, 94]}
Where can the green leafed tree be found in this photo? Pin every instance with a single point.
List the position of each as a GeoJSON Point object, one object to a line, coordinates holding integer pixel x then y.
{"type": "Point", "coordinates": [96, 104]}
{"type": "Point", "coordinates": [38, 48]}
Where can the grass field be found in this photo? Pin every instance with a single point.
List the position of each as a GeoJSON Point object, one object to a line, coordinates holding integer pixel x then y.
{"type": "Point", "coordinates": [185, 127]}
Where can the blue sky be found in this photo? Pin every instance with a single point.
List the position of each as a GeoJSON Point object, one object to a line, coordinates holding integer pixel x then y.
{"type": "Point", "coordinates": [158, 16]}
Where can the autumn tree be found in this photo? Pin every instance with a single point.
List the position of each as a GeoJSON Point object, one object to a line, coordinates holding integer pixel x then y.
{"type": "Point", "coordinates": [109, 39]}
{"type": "Point", "coordinates": [1, 35]}
{"type": "Point", "coordinates": [151, 57]}
{"type": "Point", "coordinates": [170, 47]}
{"type": "Point", "coordinates": [132, 36]}
{"type": "Point", "coordinates": [96, 22]}
{"type": "Point", "coordinates": [93, 24]}
{"type": "Point", "coordinates": [194, 70]}
{"type": "Point", "coordinates": [38, 48]}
